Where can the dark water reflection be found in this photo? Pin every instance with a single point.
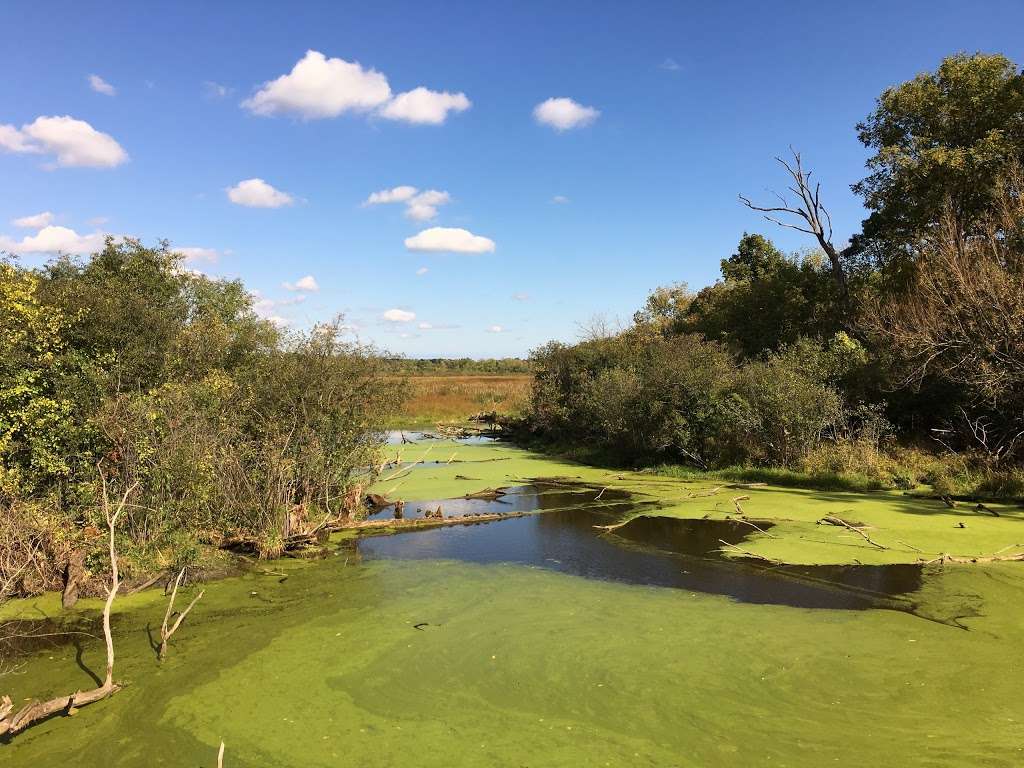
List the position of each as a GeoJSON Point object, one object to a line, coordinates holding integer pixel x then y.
{"type": "Point", "coordinates": [656, 551]}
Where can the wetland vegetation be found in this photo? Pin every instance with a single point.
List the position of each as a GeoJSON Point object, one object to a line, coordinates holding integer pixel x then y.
{"type": "Point", "coordinates": [776, 521]}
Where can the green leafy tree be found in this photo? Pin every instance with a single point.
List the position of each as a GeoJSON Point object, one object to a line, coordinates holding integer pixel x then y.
{"type": "Point", "coordinates": [947, 134]}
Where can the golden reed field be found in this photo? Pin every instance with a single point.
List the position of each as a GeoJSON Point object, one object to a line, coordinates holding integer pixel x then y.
{"type": "Point", "coordinates": [453, 397]}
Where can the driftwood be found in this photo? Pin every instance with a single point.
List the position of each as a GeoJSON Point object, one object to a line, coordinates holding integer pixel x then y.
{"type": "Point", "coordinates": [487, 494]}
{"type": "Point", "coordinates": [736, 502]}
{"type": "Point", "coordinates": [982, 508]}
{"type": "Point", "coordinates": [36, 711]}
{"type": "Point", "coordinates": [833, 520]}
{"type": "Point", "coordinates": [220, 756]}
{"type": "Point", "coordinates": [165, 632]}
{"type": "Point", "coordinates": [708, 492]}
{"type": "Point", "coordinates": [753, 555]}
{"type": "Point", "coordinates": [996, 558]}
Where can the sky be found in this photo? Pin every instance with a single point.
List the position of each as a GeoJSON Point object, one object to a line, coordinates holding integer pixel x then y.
{"type": "Point", "coordinates": [456, 179]}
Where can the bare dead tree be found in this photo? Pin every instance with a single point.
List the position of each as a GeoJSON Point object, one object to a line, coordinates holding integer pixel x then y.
{"type": "Point", "coordinates": [812, 216]}
{"type": "Point", "coordinates": [165, 632]}
{"type": "Point", "coordinates": [35, 711]}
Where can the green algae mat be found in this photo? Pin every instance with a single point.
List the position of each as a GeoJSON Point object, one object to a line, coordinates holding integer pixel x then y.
{"type": "Point", "coordinates": [363, 659]}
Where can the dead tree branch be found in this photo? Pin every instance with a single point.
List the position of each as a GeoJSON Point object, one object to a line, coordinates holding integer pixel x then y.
{"type": "Point", "coordinates": [36, 711]}
{"type": "Point", "coordinates": [165, 633]}
{"type": "Point", "coordinates": [813, 218]}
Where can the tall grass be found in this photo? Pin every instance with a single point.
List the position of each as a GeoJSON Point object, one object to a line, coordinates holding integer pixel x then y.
{"type": "Point", "coordinates": [455, 398]}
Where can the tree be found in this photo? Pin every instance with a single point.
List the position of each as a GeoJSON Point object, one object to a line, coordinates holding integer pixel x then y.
{"type": "Point", "coordinates": [811, 216]}
{"type": "Point", "coordinates": [941, 141]}
{"type": "Point", "coordinates": [961, 316]}
{"type": "Point", "coordinates": [756, 257]}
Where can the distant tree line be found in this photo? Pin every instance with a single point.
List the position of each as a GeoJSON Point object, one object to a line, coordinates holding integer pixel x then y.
{"type": "Point", "coordinates": [840, 359]}
{"type": "Point", "coordinates": [458, 365]}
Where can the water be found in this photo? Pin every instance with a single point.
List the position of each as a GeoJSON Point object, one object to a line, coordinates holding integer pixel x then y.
{"type": "Point", "coordinates": [544, 641]}
{"type": "Point", "coordinates": [654, 551]}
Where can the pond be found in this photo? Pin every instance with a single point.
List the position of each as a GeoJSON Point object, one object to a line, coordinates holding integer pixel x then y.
{"type": "Point", "coordinates": [542, 640]}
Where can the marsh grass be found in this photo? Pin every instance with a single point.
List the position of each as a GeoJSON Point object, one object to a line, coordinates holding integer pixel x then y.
{"type": "Point", "coordinates": [454, 397]}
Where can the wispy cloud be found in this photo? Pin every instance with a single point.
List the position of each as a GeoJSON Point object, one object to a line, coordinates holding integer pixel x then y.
{"type": "Point", "coordinates": [670, 64]}
{"type": "Point", "coordinates": [100, 85]}
{"type": "Point", "coordinates": [307, 284]}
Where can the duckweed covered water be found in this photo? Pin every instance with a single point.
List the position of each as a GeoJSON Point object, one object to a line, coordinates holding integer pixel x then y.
{"type": "Point", "coordinates": [542, 641]}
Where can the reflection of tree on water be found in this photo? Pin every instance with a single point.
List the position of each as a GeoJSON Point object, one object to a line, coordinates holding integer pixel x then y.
{"type": "Point", "coordinates": [654, 551]}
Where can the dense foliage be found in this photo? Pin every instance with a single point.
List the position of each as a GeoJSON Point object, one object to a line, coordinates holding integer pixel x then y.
{"type": "Point", "coordinates": [918, 338]}
{"type": "Point", "coordinates": [167, 382]}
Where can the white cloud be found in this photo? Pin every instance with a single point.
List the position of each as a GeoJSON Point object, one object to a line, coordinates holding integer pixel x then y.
{"type": "Point", "coordinates": [195, 254]}
{"type": "Point", "coordinates": [74, 142]}
{"type": "Point", "coordinates": [422, 271]}
{"type": "Point", "coordinates": [54, 239]}
{"type": "Point", "coordinates": [423, 207]}
{"type": "Point", "coordinates": [37, 221]}
{"type": "Point", "coordinates": [394, 195]}
{"type": "Point", "coordinates": [13, 140]}
{"type": "Point", "coordinates": [399, 316]}
{"type": "Point", "coordinates": [563, 113]}
{"type": "Point", "coordinates": [419, 206]}
{"type": "Point", "coordinates": [100, 85]}
{"type": "Point", "coordinates": [450, 239]}
{"type": "Point", "coordinates": [560, 199]}
{"type": "Point", "coordinates": [521, 296]}
{"type": "Point", "coordinates": [421, 105]}
{"type": "Point", "coordinates": [97, 221]}
{"type": "Point", "coordinates": [212, 90]}
{"type": "Point", "coordinates": [320, 87]}
{"type": "Point", "coordinates": [307, 283]}
{"type": "Point", "coordinates": [424, 326]}
{"type": "Point", "coordinates": [495, 329]}
{"type": "Point", "coordinates": [256, 193]}
{"type": "Point", "coordinates": [670, 64]}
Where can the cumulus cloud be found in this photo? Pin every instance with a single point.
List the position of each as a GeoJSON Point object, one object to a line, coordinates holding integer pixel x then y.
{"type": "Point", "coordinates": [422, 271]}
{"type": "Point", "coordinates": [563, 114]}
{"type": "Point", "coordinates": [36, 221]}
{"type": "Point", "coordinates": [100, 85]}
{"type": "Point", "coordinates": [560, 199]}
{"type": "Point", "coordinates": [256, 193]}
{"type": "Point", "coordinates": [421, 105]}
{"type": "Point", "coordinates": [399, 316]}
{"type": "Point", "coordinates": [419, 206]}
{"type": "Point", "coordinates": [449, 239]}
{"type": "Point", "coordinates": [307, 283]}
{"type": "Point", "coordinates": [54, 239]}
{"type": "Point", "coordinates": [321, 87]}
{"type": "Point", "coordinates": [73, 142]}
{"type": "Point", "coordinates": [495, 329]}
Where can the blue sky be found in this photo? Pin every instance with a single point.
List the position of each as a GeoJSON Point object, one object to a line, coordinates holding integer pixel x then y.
{"type": "Point", "coordinates": [675, 108]}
